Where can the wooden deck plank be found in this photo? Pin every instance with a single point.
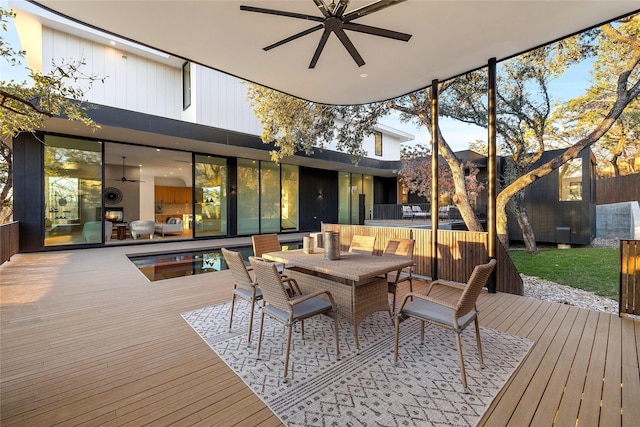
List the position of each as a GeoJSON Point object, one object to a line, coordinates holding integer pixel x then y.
{"type": "Point", "coordinates": [552, 392]}
{"type": "Point", "coordinates": [610, 414]}
{"type": "Point", "coordinates": [567, 412]}
{"type": "Point", "coordinates": [86, 343]}
{"type": "Point", "coordinates": [524, 414]}
{"type": "Point", "coordinates": [592, 394]}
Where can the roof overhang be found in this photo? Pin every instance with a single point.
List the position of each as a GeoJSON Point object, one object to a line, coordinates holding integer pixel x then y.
{"type": "Point", "coordinates": [449, 38]}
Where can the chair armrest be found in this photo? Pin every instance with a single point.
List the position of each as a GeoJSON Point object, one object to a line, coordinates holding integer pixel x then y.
{"type": "Point", "coordinates": [313, 295]}
{"type": "Point", "coordinates": [447, 283]}
{"type": "Point", "coordinates": [292, 284]}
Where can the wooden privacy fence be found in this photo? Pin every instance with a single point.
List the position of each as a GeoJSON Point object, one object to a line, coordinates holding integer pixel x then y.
{"type": "Point", "coordinates": [629, 299]}
{"type": "Point", "coordinates": [619, 189]}
{"type": "Point", "coordinates": [9, 240]}
{"type": "Point", "coordinates": [458, 252]}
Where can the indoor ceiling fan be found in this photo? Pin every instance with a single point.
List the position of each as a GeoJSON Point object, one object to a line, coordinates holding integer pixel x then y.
{"type": "Point", "coordinates": [124, 178]}
{"type": "Point", "coordinates": [334, 20]}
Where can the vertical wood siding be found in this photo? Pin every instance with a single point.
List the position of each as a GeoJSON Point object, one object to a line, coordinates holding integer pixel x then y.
{"type": "Point", "coordinates": [619, 189]}
{"type": "Point", "coordinates": [458, 252]}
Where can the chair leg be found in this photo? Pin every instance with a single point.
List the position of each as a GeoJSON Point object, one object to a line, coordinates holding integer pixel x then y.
{"type": "Point", "coordinates": [260, 334]}
{"type": "Point", "coordinates": [233, 303]}
{"type": "Point", "coordinates": [253, 306]}
{"type": "Point", "coordinates": [463, 374]}
{"type": "Point", "coordinates": [395, 353]}
{"type": "Point", "coordinates": [335, 320]}
{"type": "Point", "coordinates": [286, 357]}
{"type": "Point", "coordinates": [395, 292]}
{"type": "Point", "coordinates": [479, 343]}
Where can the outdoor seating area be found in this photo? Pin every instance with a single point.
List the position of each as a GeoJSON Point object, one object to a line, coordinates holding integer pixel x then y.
{"type": "Point", "coordinates": [134, 358]}
{"type": "Point", "coordinates": [582, 367]}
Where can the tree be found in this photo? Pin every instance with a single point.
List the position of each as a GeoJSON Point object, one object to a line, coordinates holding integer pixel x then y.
{"type": "Point", "coordinates": [297, 125]}
{"type": "Point", "coordinates": [416, 174]}
{"type": "Point", "coordinates": [524, 127]}
{"type": "Point", "coordinates": [25, 106]}
{"type": "Point", "coordinates": [621, 48]}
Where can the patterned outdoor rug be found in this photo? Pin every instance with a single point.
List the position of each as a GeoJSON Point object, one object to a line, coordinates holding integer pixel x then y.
{"type": "Point", "coordinates": [364, 389]}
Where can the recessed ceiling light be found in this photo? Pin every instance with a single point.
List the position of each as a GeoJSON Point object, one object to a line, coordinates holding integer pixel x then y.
{"type": "Point", "coordinates": [112, 43]}
{"type": "Point", "coordinates": [363, 75]}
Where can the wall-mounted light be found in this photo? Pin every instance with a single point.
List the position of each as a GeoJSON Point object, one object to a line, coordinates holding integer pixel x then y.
{"type": "Point", "coordinates": [320, 194]}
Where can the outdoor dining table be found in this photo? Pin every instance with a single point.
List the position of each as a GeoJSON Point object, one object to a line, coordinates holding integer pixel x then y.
{"type": "Point", "coordinates": [357, 281]}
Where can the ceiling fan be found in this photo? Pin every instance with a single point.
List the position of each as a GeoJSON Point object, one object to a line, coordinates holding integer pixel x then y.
{"type": "Point", "coordinates": [334, 20]}
{"type": "Point", "coordinates": [124, 178]}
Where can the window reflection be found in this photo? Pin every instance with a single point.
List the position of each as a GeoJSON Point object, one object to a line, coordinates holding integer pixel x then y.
{"type": "Point", "coordinates": [570, 180]}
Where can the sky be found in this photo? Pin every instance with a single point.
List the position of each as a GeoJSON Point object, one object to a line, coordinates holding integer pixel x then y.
{"type": "Point", "coordinates": [571, 84]}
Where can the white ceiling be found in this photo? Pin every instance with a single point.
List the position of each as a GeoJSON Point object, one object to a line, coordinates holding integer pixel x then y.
{"type": "Point", "coordinates": [449, 38]}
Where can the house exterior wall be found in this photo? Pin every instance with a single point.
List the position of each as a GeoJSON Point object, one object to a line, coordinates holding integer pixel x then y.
{"type": "Point", "coordinates": [131, 82]}
{"type": "Point", "coordinates": [556, 221]}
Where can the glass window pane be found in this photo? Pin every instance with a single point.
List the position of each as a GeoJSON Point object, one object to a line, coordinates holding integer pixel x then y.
{"type": "Point", "coordinates": [186, 85]}
{"type": "Point", "coordinates": [211, 196]}
{"type": "Point", "coordinates": [368, 196]}
{"type": "Point", "coordinates": [570, 180]}
{"type": "Point", "coordinates": [378, 142]}
{"type": "Point", "coordinates": [289, 197]}
{"type": "Point", "coordinates": [248, 196]}
{"type": "Point", "coordinates": [269, 197]}
{"type": "Point", "coordinates": [356, 190]}
{"type": "Point", "coordinates": [344, 197]}
{"type": "Point", "coordinates": [73, 191]}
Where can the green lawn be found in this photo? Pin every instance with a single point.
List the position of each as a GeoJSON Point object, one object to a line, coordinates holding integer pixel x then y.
{"type": "Point", "coordinates": [592, 269]}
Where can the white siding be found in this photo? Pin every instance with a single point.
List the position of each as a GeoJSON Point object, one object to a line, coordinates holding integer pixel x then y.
{"type": "Point", "coordinates": [131, 82]}
{"type": "Point", "coordinates": [221, 102]}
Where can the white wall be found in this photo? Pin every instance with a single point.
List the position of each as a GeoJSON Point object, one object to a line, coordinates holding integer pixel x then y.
{"type": "Point", "coordinates": [131, 82]}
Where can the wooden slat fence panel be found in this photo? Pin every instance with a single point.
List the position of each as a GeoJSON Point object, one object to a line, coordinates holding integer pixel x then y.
{"type": "Point", "coordinates": [629, 299]}
{"type": "Point", "coordinates": [619, 189]}
{"type": "Point", "coordinates": [9, 240]}
{"type": "Point", "coordinates": [507, 277]}
{"type": "Point", "coordinates": [458, 252]}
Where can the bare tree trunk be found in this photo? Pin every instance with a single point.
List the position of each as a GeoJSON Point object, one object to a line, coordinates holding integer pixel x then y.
{"type": "Point", "coordinates": [528, 236]}
{"type": "Point", "coordinates": [460, 198]}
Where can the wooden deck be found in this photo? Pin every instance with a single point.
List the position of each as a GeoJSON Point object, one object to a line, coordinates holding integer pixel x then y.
{"type": "Point", "coordinates": [87, 340]}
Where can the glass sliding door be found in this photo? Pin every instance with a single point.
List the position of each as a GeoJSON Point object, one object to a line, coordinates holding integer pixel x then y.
{"type": "Point", "coordinates": [290, 181]}
{"type": "Point", "coordinates": [72, 191]}
{"type": "Point", "coordinates": [269, 197]}
{"type": "Point", "coordinates": [248, 196]}
{"type": "Point", "coordinates": [344, 197]}
{"type": "Point", "coordinates": [356, 191]}
{"type": "Point", "coordinates": [367, 189]}
{"type": "Point", "coordinates": [211, 198]}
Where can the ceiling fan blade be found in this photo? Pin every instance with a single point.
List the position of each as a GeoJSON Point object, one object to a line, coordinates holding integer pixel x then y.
{"type": "Point", "coordinates": [323, 8]}
{"type": "Point", "coordinates": [282, 13]}
{"type": "Point", "coordinates": [396, 35]}
{"type": "Point", "coordinates": [369, 9]}
{"type": "Point", "coordinates": [340, 7]}
{"type": "Point", "coordinates": [293, 37]}
{"type": "Point", "coordinates": [321, 44]}
{"type": "Point", "coordinates": [346, 42]}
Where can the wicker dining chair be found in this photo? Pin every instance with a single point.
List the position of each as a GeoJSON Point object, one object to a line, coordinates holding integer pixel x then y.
{"type": "Point", "coordinates": [287, 310]}
{"type": "Point", "coordinates": [244, 286]}
{"type": "Point", "coordinates": [448, 315]}
{"type": "Point", "coordinates": [362, 244]}
{"type": "Point", "coordinates": [263, 243]}
{"type": "Point", "coordinates": [401, 247]}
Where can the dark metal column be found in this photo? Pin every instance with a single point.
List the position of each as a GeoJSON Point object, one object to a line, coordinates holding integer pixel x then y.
{"type": "Point", "coordinates": [492, 173]}
{"type": "Point", "coordinates": [434, 179]}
